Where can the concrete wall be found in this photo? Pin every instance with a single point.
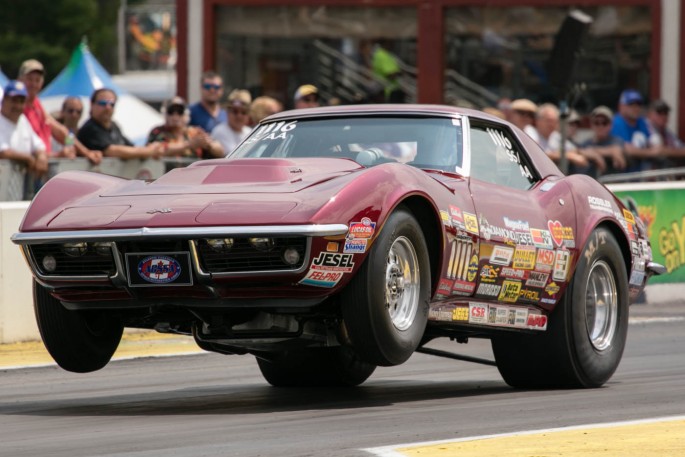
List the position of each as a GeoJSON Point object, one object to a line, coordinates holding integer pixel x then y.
{"type": "Point", "coordinates": [16, 301]}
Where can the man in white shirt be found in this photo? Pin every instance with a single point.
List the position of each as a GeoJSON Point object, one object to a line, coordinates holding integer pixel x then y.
{"type": "Point", "coordinates": [18, 140]}
{"type": "Point", "coordinates": [230, 134]}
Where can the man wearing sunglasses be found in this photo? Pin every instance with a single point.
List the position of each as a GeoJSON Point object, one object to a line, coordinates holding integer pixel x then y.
{"type": "Point", "coordinates": [306, 96]}
{"type": "Point", "coordinates": [231, 133]}
{"type": "Point", "coordinates": [631, 126]}
{"type": "Point", "coordinates": [609, 146]}
{"type": "Point", "coordinates": [208, 113]}
{"type": "Point", "coordinates": [102, 133]}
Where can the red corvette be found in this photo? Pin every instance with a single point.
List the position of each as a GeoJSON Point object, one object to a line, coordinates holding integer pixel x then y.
{"type": "Point", "coordinates": [335, 240]}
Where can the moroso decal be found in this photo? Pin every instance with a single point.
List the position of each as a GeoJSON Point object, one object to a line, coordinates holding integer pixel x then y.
{"type": "Point", "coordinates": [489, 290]}
{"type": "Point", "coordinates": [159, 269]}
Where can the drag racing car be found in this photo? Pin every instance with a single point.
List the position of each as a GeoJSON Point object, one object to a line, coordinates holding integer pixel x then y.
{"type": "Point", "coordinates": [337, 239]}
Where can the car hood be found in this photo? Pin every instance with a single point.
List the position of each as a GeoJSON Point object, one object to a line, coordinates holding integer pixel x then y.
{"type": "Point", "coordinates": [213, 192]}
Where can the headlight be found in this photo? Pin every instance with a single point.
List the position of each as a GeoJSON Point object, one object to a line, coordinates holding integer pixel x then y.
{"type": "Point", "coordinates": [49, 263]}
{"type": "Point", "coordinates": [103, 248]}
{"type": "Point", "coordinates": [220, 244]}
{"type": "Point", "coordinates": [75, 249]}
{"type": "Point", "coordinates": [291, 256]}
{"type": "Point", "coordinates": [262, 244]}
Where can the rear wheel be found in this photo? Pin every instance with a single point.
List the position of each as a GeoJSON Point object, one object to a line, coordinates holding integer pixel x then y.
{"type": "Point", "coordinates": [586, 335]}
{"type": "Point", "coordinates": [79, 341]}
{"type": "Point", "coordinates": [315, 367]}
{"type": "Point", "coordinates": [385, 307]}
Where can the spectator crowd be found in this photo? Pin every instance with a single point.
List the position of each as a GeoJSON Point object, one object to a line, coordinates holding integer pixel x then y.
{"type": "Point", "coordinates": [634, 138]}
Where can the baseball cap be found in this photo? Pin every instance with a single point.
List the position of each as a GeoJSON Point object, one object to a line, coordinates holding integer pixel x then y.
{"type": "Point", "coordinates": [305, 90]}
{"type": "Point", "coordinates": [660, 106]}
{"type": "Point", "coordinates": [629, 96]}
{"type": "Point", "coordinates": [602, 110]}
{"type": "Point", "coordinates": [573, 116]}
{"type": "Point", "coordinates": [239, 97]}
{"type": "Point", "coordinates": [30, 65]}
{"type": "Point", "coordinates": [15, 89]}
{"type": "Point", "coordinates": [175, 101]}
{"type": "Point", "coordinates": [523, 104]}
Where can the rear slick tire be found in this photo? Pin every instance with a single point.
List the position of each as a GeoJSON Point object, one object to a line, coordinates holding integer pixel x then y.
{"type": "Point", "coordinates": [385, 306]}
{"type": "Point", "coordinates": [584, 341]}
{"type": "Point", "coordinates": [79, 341]}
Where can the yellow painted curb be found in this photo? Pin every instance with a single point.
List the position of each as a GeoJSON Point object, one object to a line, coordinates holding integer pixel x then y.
{"type": "Point", "coordinates": [138, 344]}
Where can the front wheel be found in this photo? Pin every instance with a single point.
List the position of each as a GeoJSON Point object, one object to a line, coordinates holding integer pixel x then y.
{"type": "Point", "coordinates": [79, 341]}
{"type": "Point", "coordinates": [385, 307]}
{"type": "Point", "coordinates": [584, 341]}
{"type": "Point", "coordinates": [315, 367]}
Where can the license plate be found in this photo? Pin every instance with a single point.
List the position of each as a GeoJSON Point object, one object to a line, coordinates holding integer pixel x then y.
{"type": "Point", "coordinates": [154, 269]}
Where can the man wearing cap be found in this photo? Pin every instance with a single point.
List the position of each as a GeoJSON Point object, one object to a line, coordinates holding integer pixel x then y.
{"type": "Point", "coordinates": [208, 113]}
{"type": "Point", "coordinates": [306, 96]}
{"type": "Point", "coordinates": [672, 148]}
{"type": "Point", "coordinates": [604, 143]}
{"type": "Point", "coordinates": [523, 116]}
{"type": "Point", "coordinates": [18, 141]}
{"type": "Point", "coordinates": [631, 127]}
{"type": "Point", "coordinates": [32, 74]}
{"type": "Point", "coordinates": [180, 139]}
{"type": "Point", "coordinates": [231, 133]}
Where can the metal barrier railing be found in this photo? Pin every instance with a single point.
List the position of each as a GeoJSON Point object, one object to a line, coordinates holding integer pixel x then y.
{"type": "Point", "coordinates": [667, 174]}
{"type": "Point", "coordinates": [16, 184]}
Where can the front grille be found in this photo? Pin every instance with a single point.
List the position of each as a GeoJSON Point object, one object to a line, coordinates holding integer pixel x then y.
{"type": "Point", "coordinates": [242, 257]}
{"type": "Point", "coordinates": [89, 264]}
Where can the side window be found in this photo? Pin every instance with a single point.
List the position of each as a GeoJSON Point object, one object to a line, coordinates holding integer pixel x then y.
{"type": "Point", "coordinates": [497, 158]}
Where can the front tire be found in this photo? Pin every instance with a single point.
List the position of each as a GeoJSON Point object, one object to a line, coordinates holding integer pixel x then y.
{"type": "Point", "coordinates": [79, 341]}
{"type": "Point", "coordinates": [315, 367]}
{"type": "Point", "coordinates": [385, 306]}
{"type": "Point", "coordinates": [587, 331]}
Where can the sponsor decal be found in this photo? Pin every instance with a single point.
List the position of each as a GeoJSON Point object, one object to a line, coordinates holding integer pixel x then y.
{"type": "Point", "coordinates": [518, 225]}
{"type": "Point", "coordinates": [457, 217]}
{"type": "Point", "coordinates": [506, 235]}
{"type": "Point", "coordinates": [508, 272]}
{"type": "Point", "coordinates": [441, 313]}
{"type": "Point", "coordinates": [634, 248]}
{"type": "Point", "coordinates": [545, 260]}
{"type": "Point", "coordinates": [501, 255]}
{"type": "Point", "coordinates": [460, 313]}
{"type": "Point", "coordinates": [510, 291]}
{"type": "Point", "coordinates": [562, 260]}
{"type": "Point", "coordinates": [639, 263]}
{"type": "Point", "coordinates": [600, 204]}
{"type": "Point", "coordinates": [521, 318]}
{"type": "Point", "coordinates": [637, 278]}
{"type": "Point", "coordinates": [537, 279]}
{"type": "Point", "coordinates": [529, 295]}
{"type": "Point", "coordinates": [470, 223]}
{"type": "Point", "coordinates": [478, 313]}
{"type": "Point", "coordinates": [548, 301]}
{"type": "Point", "coordinates": [159, 269]}
{"type": "Point", "coordinates": [562, 236]}
{"type": "Point", "coordinates": [501, 315]}
{"type": "Point", "coordinates": [524, 257]}
{"type": "Point", "coordinates": [333, 262]}
{"type": "Point", "coordinates": [472, 272]}
{"type": "Point", "coordinates": [489, 290]}
{"type": "Point", "coordinates": [552, 288]}
{"type": "Point", "coordinates": [320, 278]}
{"type": "Point", "coordinates": [460, 256]}
{"type": "Point", "coordinates": [628, 216]}
{"type": "Point", "coordinates": [363, 229]}
{"type": "Point", "coordinates": [537, 321]}
{"type": "Point", "coordinates": [444, 287]}
{"type": "Point", "coordinates": [444, 215]}
{"type": "Point", "coordinates": [541, 238]}
{"type": "Point", "coordinates": [489, 273]}
{"type": "Point", "coordinates": [463, 287]}
{"type": "Point", "coordinates": [355, 246]}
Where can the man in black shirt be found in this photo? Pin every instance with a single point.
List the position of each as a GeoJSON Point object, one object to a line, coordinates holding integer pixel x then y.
{"type": "Point", "coordinates": [100, 132]}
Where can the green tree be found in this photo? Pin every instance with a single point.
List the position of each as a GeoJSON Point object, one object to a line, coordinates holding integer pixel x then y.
{"type": "Point", "coordinates": [49, 30]}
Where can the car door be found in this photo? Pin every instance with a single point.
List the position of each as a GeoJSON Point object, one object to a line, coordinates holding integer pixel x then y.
{"type": "Point", "coordinates": [526, 224]}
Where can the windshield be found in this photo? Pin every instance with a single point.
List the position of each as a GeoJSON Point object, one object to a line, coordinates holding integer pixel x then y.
{"type": "Point", "coordinates": [424, 142]}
